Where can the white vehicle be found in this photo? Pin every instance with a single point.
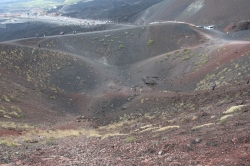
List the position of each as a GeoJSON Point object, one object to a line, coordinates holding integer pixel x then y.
{"type": "Point", "coordinates": [209, 27]}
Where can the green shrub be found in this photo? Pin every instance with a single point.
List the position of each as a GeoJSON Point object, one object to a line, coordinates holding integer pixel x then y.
{"type": "Point", "coordinates": [121, 46]}
{"type": "Point", "coordinates": [130, 139]}
{"type": "Point", "coordinates": [150, 42]}
{"type": "Point", "coordinates": [16, 108]}
{"type": "Point", "coordinates": [203, 62]}
{"type": "Point", "coordinates": [186, 51]}
{"type": "Point", "coordinates": [186, 58]}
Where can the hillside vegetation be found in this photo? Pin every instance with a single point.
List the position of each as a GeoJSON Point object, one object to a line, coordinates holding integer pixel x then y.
{"type": "Point", "coordinates": [137, 95]}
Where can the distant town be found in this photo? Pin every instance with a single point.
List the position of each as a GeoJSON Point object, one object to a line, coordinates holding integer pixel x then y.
{"type": "Point", "coordinates": [41, 15]}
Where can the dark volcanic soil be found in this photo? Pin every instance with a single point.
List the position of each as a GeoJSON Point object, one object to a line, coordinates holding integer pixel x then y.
{"type": "Point", "coordinates": [199, 12]}
{"type": "Point", "coordinates": [237, 26]}
{"type": "Point", "coordinates": [115, 10]}
{"type": "Point", "coordinates": [83, 95]}
{"type": "Point", "coordinates": [30, 29]}
{"type": "Point", "coordinates": [139, 95]}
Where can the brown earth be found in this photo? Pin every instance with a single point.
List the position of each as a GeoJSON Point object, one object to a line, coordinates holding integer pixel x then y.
{"type": "Point", "coordinates": [237, 26]}
{"type": "Point", "coordinates": [133, 96]}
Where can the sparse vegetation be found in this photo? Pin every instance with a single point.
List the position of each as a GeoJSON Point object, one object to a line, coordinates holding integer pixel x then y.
{"type": "Point", "coordinates": [186, 51]}
{"type": "Point", "coordinates": [201, 126]}
{"type": "Point", "coordinates": [166, 128]}
{"type": "Point", "coordinates": [152, 123]}
{"type": "Point", "coordinates": [8, 143]}
{"type": "Point", "coordinates": [15, 108]}
{"type": "Point", "coordinates": [233, 109]}
{"type": "Point", "coordinates": [185, 58]}
{"type": "Point", "coordinates": [150, 42]}
{"type": "Point", "coordinates": [130, 139]}
{"type": "Point", "coordinates": [6, 98]}
{"type": "Point", "coordinates": [121, 46]}
{"type": "Point", "coordinates": [224, 118]}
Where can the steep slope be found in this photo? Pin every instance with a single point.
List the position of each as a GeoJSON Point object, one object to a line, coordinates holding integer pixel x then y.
{"type": "Point", "coordinates": [133, 96]}
{"type": "Point", "coordinates": [110, 67]}
{"type": "Point", "coordinates": [202, 12]}
{"type": "Point", "coordinates": [161, 54]}
{"type": "Point", "coordinates": [42, 82]}
{"type": "Point", "coordinates": [115, 10]}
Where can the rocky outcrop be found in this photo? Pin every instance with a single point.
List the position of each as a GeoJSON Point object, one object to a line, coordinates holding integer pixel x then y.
{"type": "Point", "coordinates": [237, 26]}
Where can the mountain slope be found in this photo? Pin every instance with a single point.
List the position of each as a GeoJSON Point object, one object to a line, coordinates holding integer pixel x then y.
{"type": "Point", "coordinates": [139, 95]}
{"type": "Point", "coordinates": [115, 10]}
{"type": "Point", "coordinates": [110, 66]}
{"type": "Point", "coordinates": [204, 12]}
